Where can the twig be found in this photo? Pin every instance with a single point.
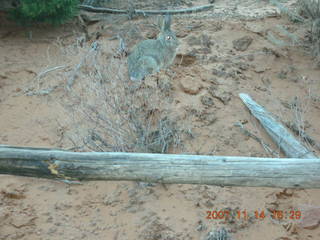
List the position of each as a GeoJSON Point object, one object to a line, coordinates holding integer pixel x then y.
{"type": "Point", "coordinates": [41, 92]}
{"type": "Point", "coordinates": [71, 182]}
{"type": "Point", "coordinates": [40, 75]}
{"type": "Point", "coordinates": [70, 82]}
{"type": "Point", "coordinates": [145, 12]}
{"type": "Point", "coordinates": [29, 223]}
{"type": "Point", "coordinates": [38, 78]}
{"type": "Point", "coordinates": [259, 140]}
{"type": "Point", "coordinates": [302, 134]}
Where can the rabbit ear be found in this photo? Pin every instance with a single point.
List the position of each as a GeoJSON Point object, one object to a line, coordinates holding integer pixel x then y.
{"type": "Point", "coordinates": [166, 22]}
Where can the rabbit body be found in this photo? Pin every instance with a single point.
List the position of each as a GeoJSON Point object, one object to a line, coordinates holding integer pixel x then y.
{"type": "Point", "coordinates": [150, 56]}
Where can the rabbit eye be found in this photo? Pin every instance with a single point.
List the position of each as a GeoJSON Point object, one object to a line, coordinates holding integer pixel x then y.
{"type": "Point", "coordinates": [168, 37]}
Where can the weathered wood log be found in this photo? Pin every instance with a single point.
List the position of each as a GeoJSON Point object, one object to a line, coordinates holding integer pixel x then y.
{"type": "Point", "coordinates": [8, 5]}
{"type": "Point", "coordinates": [163, 168]}
{"type": "Point", "coordinates": [279, 134]}
{"type": "Point", "coordinates": [145, 12]}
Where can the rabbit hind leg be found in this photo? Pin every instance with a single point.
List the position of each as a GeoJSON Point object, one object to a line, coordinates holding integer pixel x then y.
{"type": "Point", "coordinates": [145, 66]}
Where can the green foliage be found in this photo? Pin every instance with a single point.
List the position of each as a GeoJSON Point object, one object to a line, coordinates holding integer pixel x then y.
{"type": "Point", "coordinates": [49, 11]}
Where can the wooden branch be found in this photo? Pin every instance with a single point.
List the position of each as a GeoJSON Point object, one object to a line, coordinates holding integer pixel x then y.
{"type": "Point", "coordinates": [145, 12]}
{"type": "Point", "coordinates": [163, 168]}
{"type": "Point", "coordinates": [89, 8]}
{"type": "Point", "coordinates": [280, 135]}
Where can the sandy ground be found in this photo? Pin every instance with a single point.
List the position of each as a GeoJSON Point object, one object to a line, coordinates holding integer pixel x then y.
{"type": "Point", "coordinates": [204, 92]}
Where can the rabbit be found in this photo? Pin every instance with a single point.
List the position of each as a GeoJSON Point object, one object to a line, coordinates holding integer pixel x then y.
{"type": "Point", "coordinates": [150, 56]}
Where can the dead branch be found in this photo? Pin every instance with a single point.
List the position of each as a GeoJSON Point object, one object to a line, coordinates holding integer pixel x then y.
{"type": "Point", "coordinates": [145, 12]}
{"type": "Point", "coordinates": [290, 146]}
{"type": "Point", "coordinates": [259, 140]}
{"type": "Point", "coordinates": [93, 50]}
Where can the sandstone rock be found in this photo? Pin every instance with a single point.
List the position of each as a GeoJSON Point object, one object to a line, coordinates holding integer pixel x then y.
{"type": "Point", "coordinates": [190, 85]}
{"type": "Point", "coordinates": [310, 218]}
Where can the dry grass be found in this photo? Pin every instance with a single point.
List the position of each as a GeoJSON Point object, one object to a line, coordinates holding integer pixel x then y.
{"type": "Point", "coordinates": [311, 10]}
{"type": "Point", "coordinates": [108, 112]}
{"type": "Point", "coordinates": [307, 13]}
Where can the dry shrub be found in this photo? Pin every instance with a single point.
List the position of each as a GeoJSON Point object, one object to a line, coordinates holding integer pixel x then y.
{"type": "Point", "coordinates": [308, 14]}
{"type": "Point", "coordinates": [311, 10]}
{"type": "Point", "coordinates": [109, 112]}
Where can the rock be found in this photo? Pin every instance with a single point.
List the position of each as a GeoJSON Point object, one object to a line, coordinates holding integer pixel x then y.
{"type": "Point", "coordinates": [310, 218]}
{"type": "Point", "coordinates": [214, 81]}
{"type": "Point", "coordinates": [13, 195]}
{"type": "Point", "coordinates": [255, 28]}
{"type": "Point", "coordinates": [220, 94]}
{"type": "Point", "coordinates": [213, 59]}
{"type": "Point", "coordinates": [201, 226]}
{"type": "Point", "coordinates": [204, 40]}
{"type": "Point", "coordinates": [207, 100]}
{"type": "Point", "coordinates": [208, 204]}
{"type": "Point", "coordinates": [219, 72]}
{"type": "Point", "coordinates": [250, 57]}
{"type": "Point", "coordinates": [192, 40]}
{"type": "Point", "coordinates": [182, 32]}
{"type": "Point", "coordinates": [62, 206]}
{"type": "Point", "coordinates": [207, 118]}
{"type": "Point", "coordinates": [203, 50]}
{"type": "Point", "coordinates": [260, 69]}
{"type": "Point", "coordinates": [216, 27]}
{"type": "Point", "coordinates": [243, 43]}
{"type": "Point", "coordinates": [190, 86]}
{"type": "Point", "coordinates": [286, 193]}
{"type": "Point", "coordinates": [242, 66]}
{"type": "Point", "coordinates": [23, 222]}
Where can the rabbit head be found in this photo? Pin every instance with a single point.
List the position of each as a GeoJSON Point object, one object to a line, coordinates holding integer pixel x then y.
{"type": "Point", "coordinates": [167, 37]}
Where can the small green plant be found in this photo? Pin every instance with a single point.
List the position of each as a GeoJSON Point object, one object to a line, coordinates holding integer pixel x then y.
{"type": "Point", "coordinates": [49, 11]}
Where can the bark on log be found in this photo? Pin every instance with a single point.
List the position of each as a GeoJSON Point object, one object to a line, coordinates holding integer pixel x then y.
{"type": "Point", "coordinates": [163, 168]}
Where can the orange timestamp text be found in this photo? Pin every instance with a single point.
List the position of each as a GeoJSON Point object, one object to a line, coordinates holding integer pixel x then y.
{"type": "Point", "coordinates": [258, 214]}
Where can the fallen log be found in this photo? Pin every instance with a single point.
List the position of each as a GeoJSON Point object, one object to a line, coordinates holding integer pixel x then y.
{"type": "Point", "coordinates": [89, 8]}
{"type": "Point", "coordinates": [162, 168]}
{"type": "Point", "coordinates": [279, 134]}
{"type": "Point", "coordinates": [9, 6]}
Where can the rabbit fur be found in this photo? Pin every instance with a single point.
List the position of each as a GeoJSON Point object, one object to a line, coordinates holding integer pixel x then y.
{"type": "Point", "coordinates": [152, 55]}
